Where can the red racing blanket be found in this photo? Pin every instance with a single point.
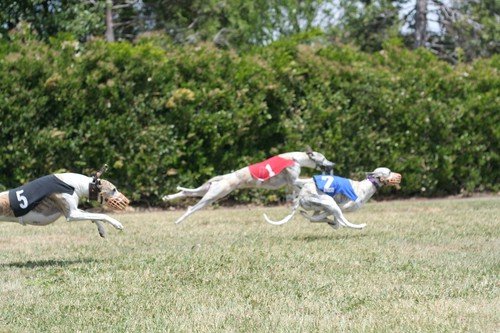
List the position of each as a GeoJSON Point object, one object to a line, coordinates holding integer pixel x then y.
{"type": "Point", "coordinates": [269, 168]}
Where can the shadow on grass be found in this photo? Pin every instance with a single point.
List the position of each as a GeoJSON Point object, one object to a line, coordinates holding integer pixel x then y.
{"type": "Point", "coordinates": [48, 263]}
{"type": "Point", "coordinates": [332, 236]}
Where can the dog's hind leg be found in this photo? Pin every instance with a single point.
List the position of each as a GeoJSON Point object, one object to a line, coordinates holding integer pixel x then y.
{"type": "Point", "coordinates": [340, 219]}
{"type": "Point", "coordinates": [216, 191]}
{"type": "Point", "coordinates": [188, 192]}
{"type": "Point", "coordinates": [330, 206]}
{"type": "Point", "coordinates": [333, 223]}
{"type": "Point", "coordinates": [316, 216]}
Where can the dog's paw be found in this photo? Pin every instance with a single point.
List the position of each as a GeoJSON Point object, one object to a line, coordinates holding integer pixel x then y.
{"type": "Point", "coordinates": [116, 224]}
{"type": "Point", "coordinates": [334, 225]}
{"type": "Point", "coordinates": [102, 233]}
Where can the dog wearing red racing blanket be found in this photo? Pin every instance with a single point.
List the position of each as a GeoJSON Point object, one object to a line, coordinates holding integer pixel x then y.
{"type": "Point", "coordinates": [273, 173]}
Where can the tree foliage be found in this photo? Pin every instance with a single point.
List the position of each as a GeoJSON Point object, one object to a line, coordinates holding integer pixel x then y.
{"type": "Point", "coordinates": [369, 23]}
{"type": "Point", "coordinates": [256, 22]}
{"type": "Point", "coordinates": [470, 29]}
{"type": "Point", "coordinates": [50, 17]}
{"type": "Point", "coordinates": [162, 114]}
{"type": "Point", "coordinates": [466, 29]}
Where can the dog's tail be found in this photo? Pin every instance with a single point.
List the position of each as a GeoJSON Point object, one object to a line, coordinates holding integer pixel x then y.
{"type": "Point", "coordinates": [285, 219]}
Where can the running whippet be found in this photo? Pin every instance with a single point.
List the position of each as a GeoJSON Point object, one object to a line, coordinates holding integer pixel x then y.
{"type": "Point", "coordinates": [272, 173]}
{"type": "Point", "coordinates": [45, 199]}
{"type": "Point", "coordinates": [331, 195]}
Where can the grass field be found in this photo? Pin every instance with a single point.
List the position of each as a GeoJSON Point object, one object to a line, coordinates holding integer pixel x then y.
{"type": "Point", "coordinates": [419, 266]}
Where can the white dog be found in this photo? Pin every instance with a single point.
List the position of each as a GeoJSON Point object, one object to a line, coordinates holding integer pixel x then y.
{"type": "Point", "coordinates": [45, 199]}
{"type": "Point", "coordinates": [272, 173]}
{"type": "Point", "coordinates": [331, 195]}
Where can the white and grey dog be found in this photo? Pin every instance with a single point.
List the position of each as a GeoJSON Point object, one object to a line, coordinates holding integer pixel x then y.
{"type": "Point", "coordinates": [329, 196]}
{"type": "Point", "coordinates": [272, 173]}
{"type": "Point", "coordinates": [45, 199]}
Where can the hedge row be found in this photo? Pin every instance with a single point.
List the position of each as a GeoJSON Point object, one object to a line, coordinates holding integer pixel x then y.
{"type": "Point", "coordinates": [161, 114]}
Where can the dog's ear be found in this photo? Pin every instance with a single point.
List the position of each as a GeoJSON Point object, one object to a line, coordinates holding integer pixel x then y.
{"type": "Point", "coordinates": [101, 171]}
{"type": "Point", "coordinates": [98, 174]}
{"type": "Point", "coordinates": [308, 149]}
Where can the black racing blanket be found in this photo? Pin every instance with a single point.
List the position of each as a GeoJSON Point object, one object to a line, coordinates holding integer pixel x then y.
{"type": "Point", "coordinates": [26, 197]}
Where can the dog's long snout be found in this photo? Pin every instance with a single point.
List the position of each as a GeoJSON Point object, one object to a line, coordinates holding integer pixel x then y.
{"type": "Point", "coordinates": [394, 179]}
{"type": "Point", "coordinates": [327, 166]}
{"type": "Point", "coordinates": [118, 201]}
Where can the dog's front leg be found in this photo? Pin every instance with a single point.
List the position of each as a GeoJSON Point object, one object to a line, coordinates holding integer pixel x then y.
{"type": "Point", "coordinates": [100, 228]}
{"type": "Point", "coordinates": [340, 219]}
{"type": "Point", "coordinates": [333, 223]}
{"type": "Point", "coordinates": [79, 215]}
{"type": "Point", "coordinates": [331, 206]}
{"type": "Point", "coordinates": [352, 206]}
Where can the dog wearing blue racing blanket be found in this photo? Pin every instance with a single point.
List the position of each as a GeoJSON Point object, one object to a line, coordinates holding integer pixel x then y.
{"type": "Point", "coordinates": [328, 196]}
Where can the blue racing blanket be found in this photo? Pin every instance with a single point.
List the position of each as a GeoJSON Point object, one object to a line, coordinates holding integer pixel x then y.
{"type": "Point", "coordinates": [26, 197]}
{"type": "Point", "coordinates": [333, 185]}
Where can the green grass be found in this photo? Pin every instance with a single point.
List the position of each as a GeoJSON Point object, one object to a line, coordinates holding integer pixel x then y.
{"type": "Point", "coordinates": [419, 266]}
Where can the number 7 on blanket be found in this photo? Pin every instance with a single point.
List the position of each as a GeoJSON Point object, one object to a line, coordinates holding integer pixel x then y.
{"type": "Point", "coordinates": [333, 185]}
{"type": "Point", "coordinates": [328, 182]}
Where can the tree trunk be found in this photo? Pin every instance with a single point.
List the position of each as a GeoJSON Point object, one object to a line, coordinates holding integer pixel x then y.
{"type": "Point", "coordinates": [110, 34]}
{"type": "Point", "coordinates": [420, 23]}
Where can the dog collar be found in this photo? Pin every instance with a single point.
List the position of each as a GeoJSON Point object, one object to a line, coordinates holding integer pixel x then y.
{"type": "Point", "coordinates": [94, 191]}
{"type": "Point", "coordinates": [374, 182]}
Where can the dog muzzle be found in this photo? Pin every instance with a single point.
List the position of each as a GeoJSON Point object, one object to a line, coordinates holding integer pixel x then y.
{"type": "Point", "coordinates": [118, 201]}
{"type": "Point", "coordinates": [393, 180]}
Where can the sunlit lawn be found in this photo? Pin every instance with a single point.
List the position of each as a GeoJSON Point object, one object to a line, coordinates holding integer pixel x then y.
{"type": "Point", "coordinates": [419, 266]}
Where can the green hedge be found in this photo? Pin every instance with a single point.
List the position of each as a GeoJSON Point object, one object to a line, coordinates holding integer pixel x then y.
{"type": "Point", "coordinates": [161, 114]}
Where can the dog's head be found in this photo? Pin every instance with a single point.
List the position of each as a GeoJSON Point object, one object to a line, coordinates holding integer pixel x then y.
{"type": "Point", "coordinates": [105, 192]}
{"type": "Point", "coordinates": [320, 160]}
{"type": "Point", "coordinates": [111, 196]}
{"type": "Point", "coordinates": [384, 176]}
